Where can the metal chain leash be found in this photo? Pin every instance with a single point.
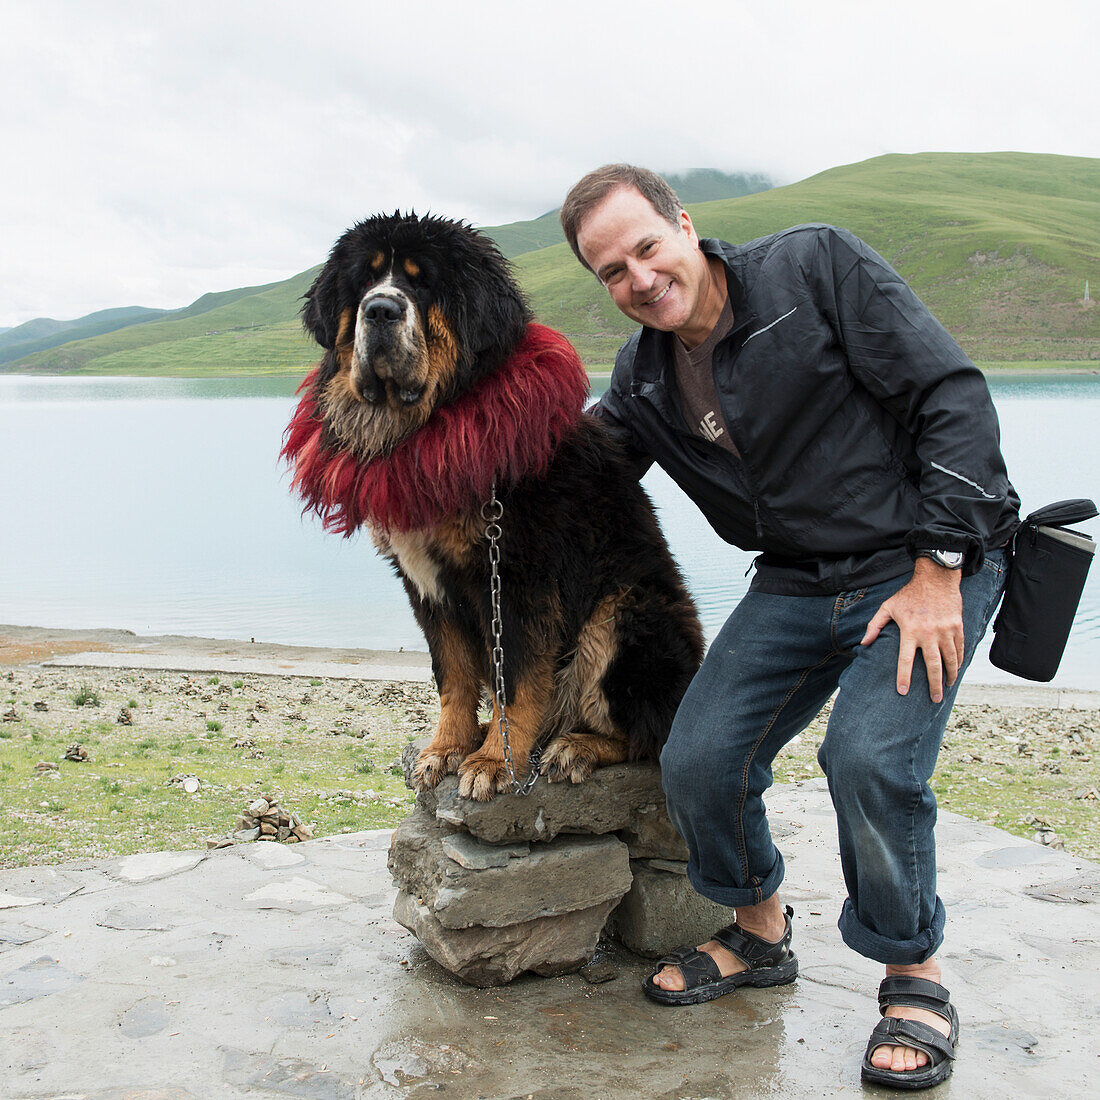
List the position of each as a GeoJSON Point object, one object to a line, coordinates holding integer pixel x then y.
{"type": "Point", "coordinates": [492, 512]}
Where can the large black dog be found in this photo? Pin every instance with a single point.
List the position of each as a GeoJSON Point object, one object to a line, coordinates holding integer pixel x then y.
{"type": "Point", "coordinates": [434, 391]}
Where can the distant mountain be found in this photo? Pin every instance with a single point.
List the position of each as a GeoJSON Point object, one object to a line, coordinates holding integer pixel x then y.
{"type": "Point", "coordinates": [700, 185]}
{"type": "Point", "coordinates": [998, 244]}
{"type": "Point", "coordinates": [44, 332]}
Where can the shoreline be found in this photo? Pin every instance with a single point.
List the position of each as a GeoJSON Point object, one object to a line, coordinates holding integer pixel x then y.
{"type": "Point", "coordinates": [1088, 368]}
{"type": "Point", "coordinates": [111, 648]}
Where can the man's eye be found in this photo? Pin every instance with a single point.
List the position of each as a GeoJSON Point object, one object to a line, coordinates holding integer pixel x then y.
{"type": "Point", "coordinates": [613, 276]}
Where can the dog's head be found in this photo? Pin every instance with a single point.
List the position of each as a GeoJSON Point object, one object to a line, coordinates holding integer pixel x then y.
{"type": "Point", "coordinates": [412, 312]}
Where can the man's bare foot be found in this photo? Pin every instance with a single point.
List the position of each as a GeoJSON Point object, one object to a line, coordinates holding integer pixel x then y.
{"type": "Point", "coordinates": [902, 1058]}
{"type": "Point", "coordinates": [766, 920]}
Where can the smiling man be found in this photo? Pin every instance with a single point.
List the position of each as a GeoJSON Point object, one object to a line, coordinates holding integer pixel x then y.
{"type": "Point", "coordinates": [814, 410]}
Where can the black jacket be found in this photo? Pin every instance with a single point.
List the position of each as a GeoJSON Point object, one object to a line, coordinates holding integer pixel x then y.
{"type": "Point", "coordinates": [863, 432]}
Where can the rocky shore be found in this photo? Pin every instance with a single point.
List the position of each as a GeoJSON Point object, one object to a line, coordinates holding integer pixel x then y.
{"type": "Point", "coordinates": [324, 730]}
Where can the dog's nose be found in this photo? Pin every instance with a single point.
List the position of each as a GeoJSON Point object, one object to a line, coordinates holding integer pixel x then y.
{"type": "Point", "coordinates": [384, 310]}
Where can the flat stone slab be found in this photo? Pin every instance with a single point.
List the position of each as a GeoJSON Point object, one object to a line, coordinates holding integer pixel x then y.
{"type": "Point", "coordinates": [548, 946]}
{"type": "Point", "coordinates": [297, 894]}
{"type": "Point", "coordinates": [1021, 970]}
{"type": "Point", "coordinates": [149, 865]}
{"type": "Point", "coordinates": [626, 799]}
{"type": "Point", "coordinates": [558, 877]}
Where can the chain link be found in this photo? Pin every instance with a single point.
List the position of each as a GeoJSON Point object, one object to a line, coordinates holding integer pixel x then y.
{"type": "Point", "coordinates": [492, 512]}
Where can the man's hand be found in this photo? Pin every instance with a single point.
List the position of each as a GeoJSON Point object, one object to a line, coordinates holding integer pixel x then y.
{"type": "Point", "coordinates": [928, 611]}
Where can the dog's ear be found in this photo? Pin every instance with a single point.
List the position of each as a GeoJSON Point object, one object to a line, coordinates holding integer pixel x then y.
{"type": "Point", "coordinates": [321, 312]}
{"type": "Point", "coordinates": [499, 315]}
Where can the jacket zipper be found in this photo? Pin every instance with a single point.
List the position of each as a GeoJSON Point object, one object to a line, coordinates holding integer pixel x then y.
{"type": "Point", "coordinates": [739, 457]}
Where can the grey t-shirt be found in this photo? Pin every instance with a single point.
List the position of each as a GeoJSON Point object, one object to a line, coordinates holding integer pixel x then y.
{"type": "Point", "coordinates": [695, 381]}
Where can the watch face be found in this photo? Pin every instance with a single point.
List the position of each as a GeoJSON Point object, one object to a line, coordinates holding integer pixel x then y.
{"type": "Point", "coordinates": [949, 559]}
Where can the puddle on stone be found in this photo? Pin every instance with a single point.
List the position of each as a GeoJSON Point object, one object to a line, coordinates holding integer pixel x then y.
{"type": "Point", "coordinates": [408, 1060]}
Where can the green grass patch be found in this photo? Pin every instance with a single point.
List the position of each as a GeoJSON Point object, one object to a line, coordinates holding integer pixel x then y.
{"type": "Point", "coordinates": [122, 799]}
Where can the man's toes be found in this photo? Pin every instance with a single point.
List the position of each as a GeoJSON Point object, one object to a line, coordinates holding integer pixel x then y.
{"type": "Point", "coordinates": [899, 1059]}
{"type": "Point", "coordinates": [670, 978]}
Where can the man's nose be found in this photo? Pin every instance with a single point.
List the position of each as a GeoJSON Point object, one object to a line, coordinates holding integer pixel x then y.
{"type": "Point", "coordinates": [641, 276]}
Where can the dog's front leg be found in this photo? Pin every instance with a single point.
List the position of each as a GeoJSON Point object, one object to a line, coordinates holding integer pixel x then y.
{"type": "Point", "coordinates": [458, 664]}
{"type": "Point", "coordinates": [485, 772]}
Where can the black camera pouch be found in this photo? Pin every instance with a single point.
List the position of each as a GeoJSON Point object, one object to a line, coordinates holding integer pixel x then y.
{"type": "Point", "coordinates": [1045, 580]}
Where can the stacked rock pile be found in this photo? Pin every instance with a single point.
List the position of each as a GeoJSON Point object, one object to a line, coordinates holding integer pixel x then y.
{"type": "Point", "coordinates": [495, 888]}
{"type": "Point", "coordinates": [265, 819]}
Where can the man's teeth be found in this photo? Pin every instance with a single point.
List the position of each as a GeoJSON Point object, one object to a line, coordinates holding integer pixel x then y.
{"type": "Point", "coordinates": [655, 300]}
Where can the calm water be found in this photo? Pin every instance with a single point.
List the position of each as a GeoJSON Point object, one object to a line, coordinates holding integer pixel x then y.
{"type": "Point", "coordinates": [160, 507]}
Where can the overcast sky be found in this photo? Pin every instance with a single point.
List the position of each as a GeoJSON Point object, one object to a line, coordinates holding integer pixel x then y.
{"type": "Point", "coordinates": [154, 151]}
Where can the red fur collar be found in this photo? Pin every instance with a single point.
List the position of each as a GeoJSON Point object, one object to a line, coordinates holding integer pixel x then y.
{"type": "Point", "coordinates": [507, 427]}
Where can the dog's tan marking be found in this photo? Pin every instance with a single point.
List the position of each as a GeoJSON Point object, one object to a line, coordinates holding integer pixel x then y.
{"type": "Point", "coordinates": [461, 678]}
{"type": "Point", "coordinates": [457, 536]}
{"type": "Point", "coordinates": [580, 701]}
{"type": "Point", "coordinates": [483, 773]}
{"type": "Point", "coordinates": [442, 349]}
{"type": "Point", "coordinates": [412, 268]}
{"type": "Point", "coordinates": [345, 334]}
{"type": "Point", "coordinates": [377, 259]}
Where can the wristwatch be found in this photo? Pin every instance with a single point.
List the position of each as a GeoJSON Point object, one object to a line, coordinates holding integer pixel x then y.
{"type": "Point", "coordinates": [949, 559]}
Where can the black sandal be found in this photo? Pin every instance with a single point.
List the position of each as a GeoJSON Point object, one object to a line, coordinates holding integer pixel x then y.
{"type": "Point", "coordinates": [890, 1031]}
{"type": "Point", "coordinates": [768, 964]}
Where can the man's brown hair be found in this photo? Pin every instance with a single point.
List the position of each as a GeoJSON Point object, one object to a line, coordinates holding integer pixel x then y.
{"type": "Point", "coordinates": [587, 193]}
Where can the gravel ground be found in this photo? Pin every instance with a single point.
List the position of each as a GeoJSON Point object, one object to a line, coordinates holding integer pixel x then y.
{"type": "Point", "coordinates": [327, 749]}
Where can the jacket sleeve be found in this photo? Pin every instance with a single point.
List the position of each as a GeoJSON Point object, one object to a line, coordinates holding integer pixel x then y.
{"type": "Point", "coordinates": [610, 411]}
{"type": "Point", "coordinates": [908, 362]}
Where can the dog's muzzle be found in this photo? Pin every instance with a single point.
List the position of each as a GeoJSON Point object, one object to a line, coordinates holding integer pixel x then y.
{"type": "Point", "coordinates": [386, 349]}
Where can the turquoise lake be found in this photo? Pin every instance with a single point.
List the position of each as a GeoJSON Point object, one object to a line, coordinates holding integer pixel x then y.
{"type": "Point", "coordinates": [160, 506]}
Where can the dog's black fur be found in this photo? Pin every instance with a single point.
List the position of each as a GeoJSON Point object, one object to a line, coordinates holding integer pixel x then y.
{"type": "Point", "coordinates": [599, 633]}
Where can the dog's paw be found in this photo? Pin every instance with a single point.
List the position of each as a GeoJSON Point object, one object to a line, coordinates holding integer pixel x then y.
{"type": "Point", "coordinates": [482, 777]}
{"type": "Point", "coordinates": [568, 758]}
{"type": "Point", "coordinates": [431, 766]}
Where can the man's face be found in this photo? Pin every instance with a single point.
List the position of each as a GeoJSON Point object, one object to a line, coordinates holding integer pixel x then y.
{"type": "Point", "coordinates": [654, 271]}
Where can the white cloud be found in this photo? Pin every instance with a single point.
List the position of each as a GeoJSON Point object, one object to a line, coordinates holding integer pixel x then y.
{"type": "Point", "coordinates": [158, 151]}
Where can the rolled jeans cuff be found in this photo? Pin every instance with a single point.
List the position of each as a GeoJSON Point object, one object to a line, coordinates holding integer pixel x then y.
{"type": "Point", "coordinates": [733, 896]}
{"type": "Point", "coordinates": [895, 952]}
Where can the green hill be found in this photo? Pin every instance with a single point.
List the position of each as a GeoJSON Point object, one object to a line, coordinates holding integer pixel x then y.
{"type": "Point", "coordinates": [44, 332]}
{"type": "Point", "coordinates": [998, 244]}
{"type": "Point", "coordinates": [251, 330]}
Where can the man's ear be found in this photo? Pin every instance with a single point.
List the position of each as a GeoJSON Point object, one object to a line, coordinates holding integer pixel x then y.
{"type": "Point", "coordinates": [321, 312]}
{"type": "Point", "coordinates": [688, 226]}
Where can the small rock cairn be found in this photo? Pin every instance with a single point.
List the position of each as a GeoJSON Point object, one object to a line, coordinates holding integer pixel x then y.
{"type": "Point", "coordinates": [265, 819]}
{"type": "Point", "coordinates": [492, 889]}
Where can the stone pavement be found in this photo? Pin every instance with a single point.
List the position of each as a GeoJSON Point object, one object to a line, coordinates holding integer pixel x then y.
{"type": "Point", "coordinates": [262, 971]}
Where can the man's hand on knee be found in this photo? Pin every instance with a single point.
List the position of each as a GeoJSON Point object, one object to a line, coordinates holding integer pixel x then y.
{"type": "Point", "coordinates": [928, 611]}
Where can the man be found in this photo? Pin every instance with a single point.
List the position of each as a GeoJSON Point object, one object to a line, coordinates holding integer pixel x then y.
{"type": "Point", "coordinates": [814, 410]}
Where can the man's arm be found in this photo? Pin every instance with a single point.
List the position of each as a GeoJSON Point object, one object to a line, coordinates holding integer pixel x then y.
{"type": "Point", "coordinates": [610, 412]}
{"type": "Point", "coordinates": [902, 355]}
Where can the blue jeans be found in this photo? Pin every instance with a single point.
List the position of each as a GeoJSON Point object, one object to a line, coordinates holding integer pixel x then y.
{"type": "Point", "coordinates": [772, 667]}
